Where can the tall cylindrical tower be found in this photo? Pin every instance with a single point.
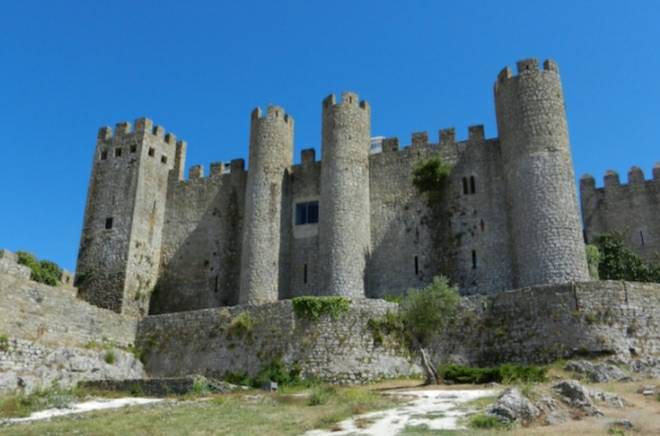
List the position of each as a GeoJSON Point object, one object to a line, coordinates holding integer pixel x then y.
{"type": "Point", "coordinates": [344, 221]}
{"type": "Point", "coordinates": [545, 221]}
{"type": "Point", "coordinates": [271, 153]}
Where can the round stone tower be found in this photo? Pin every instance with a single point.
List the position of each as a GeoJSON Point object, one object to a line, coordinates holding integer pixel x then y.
{"type": "Point", "coordinates": [271, 154]}
{"type": "Point", "coordinates": [344, 220]}
{"type": "Point", "coordinates": [546, 230]}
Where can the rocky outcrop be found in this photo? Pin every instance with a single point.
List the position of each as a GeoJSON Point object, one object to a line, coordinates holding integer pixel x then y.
{"type": "Point", "coordinates": [512, 406]}
{"type": "Point", "coordinates": [596, 372]}
{"type": "Point", "coordinates": [575, 395]}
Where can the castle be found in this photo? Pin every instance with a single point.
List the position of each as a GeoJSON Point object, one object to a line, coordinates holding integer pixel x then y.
{"type": "Point", "coordinates": [351, 224]}
{"type": "Point", "coordinates": [171, 268]}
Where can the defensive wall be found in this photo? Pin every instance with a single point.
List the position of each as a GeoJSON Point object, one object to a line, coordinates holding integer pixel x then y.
{"type": "Point", "coordinates": [48, 334]}
{"type": "Point", "coordinates": [631, 209]}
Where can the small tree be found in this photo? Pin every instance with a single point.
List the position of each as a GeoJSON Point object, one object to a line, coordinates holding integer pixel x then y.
{"type": "Point", "coordinates": [43, 271]}
{"type": "Point", "coordinates": [429, 177]}
{"type": "Point", "coordinates": [425, 312]}
{"type": "Point", "coordinates": [620, 263]}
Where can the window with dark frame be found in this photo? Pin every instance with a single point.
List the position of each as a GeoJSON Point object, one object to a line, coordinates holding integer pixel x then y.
{"type": "Point", "coordinates": [307, 213]}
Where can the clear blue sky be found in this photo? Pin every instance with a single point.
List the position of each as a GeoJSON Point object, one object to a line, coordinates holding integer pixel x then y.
{"type": "Point", "coordinates": [199, 67]}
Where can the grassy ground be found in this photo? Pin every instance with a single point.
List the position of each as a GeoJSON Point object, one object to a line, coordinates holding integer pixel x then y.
{"type": "Point", "coordinates": [290, 412]}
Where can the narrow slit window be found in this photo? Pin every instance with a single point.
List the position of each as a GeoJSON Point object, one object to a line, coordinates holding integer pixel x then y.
{"type": "Point", "coordinates": [473, 187]}
{"type": "Point", "coordinates": [416, 265]}
{"type": "Point", "coordinates": [216, 284]}
{"type": "Point", "coordinates": [108, 223]}
{"type": "Point", "coordinates": [117, 152]}
{"type": "Point", "coordinates": [474, 259]}
{"type": "Point", "coordinates": [483, 225]}
{"type": "Point", "coordinates": [305, 274]}
{"type": "Point", "coordinates": [465, 186]}
{"type": "Point", "coordinates": [163, 159]}
{"type": "Point", "coordinates": [641, 237]}
{"type": "Point", "coordinates": [152, 152]}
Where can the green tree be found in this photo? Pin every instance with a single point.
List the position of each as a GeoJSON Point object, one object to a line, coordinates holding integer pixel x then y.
{"type": "Point", "coordinates": [43, 271]}
{"type": "Point", "coordinates": [430, 175]}
{"type": "Point", "coordinates": [593, 260]}
{"type": "Point", "coordinates": [617, 262]}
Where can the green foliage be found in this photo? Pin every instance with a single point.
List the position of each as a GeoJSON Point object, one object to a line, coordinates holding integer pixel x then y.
{"type": "Point", "coordinates": [593, 260]}
{"type": "Point", "coordinates": [429, 177]}
{"type": "Point", "coordinates": [110, 357]}
{"type": "Point", "coordinates": [200, 386]}
{"type": "Point", "coordinates": [390, 324]}
{"type": "Point", "coordinates": [21, 405]}
{"type": "Point", "coordinates": [313, 308]}
{"type": "Point", "coordinates": [426, 311]}
{"type": "Point", "coordinates": [393, 298]}
{"type": "Point", "coordinates": [241, 325]}
{"type": "Point", "coordinates": [43, 271]}
{"type": "Point", "coordinates": [483, 421]}
{"type": "Point", "coordinates": [278, 372]}
{"type": "Point", "coordinates": [320, 395]}
{"type": "Point", "coordinates": [4, 343]}
{"type": "Point", "coordinates": [508, 373]}
{"type": "Point", "coordinates": [619, 263]}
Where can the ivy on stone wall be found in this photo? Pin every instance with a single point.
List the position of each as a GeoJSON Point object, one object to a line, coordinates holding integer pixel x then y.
{"type": "Point", "coordinates": [43, 271]}
{"type": "Point", "coordinates": [313, 308]}
{"type": "Point", "coordinates": [593, 260]}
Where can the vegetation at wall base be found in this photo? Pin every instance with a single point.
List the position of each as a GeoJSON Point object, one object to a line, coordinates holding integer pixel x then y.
{"type": "Point", "coordinates": [313, 308]}
{"type": "Point", "coordinates": [43, 271]}
{"type": "Point", "coordinates": [507, 374]}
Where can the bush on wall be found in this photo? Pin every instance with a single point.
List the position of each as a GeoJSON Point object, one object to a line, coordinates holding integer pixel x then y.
{"type": "Point", "coordinates": [43, 271]}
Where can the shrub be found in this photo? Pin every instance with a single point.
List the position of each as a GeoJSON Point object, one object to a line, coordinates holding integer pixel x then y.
{"type": "Point", "coordinates": [4, 343]}
{"type": "Point", "coordinates": [508, 373]}
{"type": "Point", "coordinates": [483, 421]}
{"type": "Point", "coordinates": [320, 395]}
{"type": "Point", "coordinates": [619, 263]}
{"type": "Point", "coordinates": [110, 357]}
{"type": "Point", "coordinates": [426, 311]}
{"type": "Point", "coordinates": [43, 271]}
{"type": "Point", "coordinates": [313, 308]}
{"type": "Point", "coordinates": [278, 372]}
{"type": "Point", "coordinates": [429, 177]}
{"type": "Point", "coordinates": [389, 324]}
{"type": "Point", "coordinates": [241, 325]}
{"type": "Point", "coordinates": [200, 386]}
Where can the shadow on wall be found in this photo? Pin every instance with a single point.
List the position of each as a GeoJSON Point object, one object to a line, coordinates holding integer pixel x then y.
{"type": "Point", "coordinates": [204, 269]}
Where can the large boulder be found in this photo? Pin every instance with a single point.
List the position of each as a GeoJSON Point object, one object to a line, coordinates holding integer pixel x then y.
{"type": "Point", "coordinates": [575, 395]}
{"type": "Point", "coordinates": [597, 373]}
{"type": "Point", "coordinates": [512, 406]}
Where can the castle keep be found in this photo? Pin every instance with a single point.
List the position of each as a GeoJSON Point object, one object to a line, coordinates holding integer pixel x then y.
{"type": "Point", "coordinates": [350, 224]}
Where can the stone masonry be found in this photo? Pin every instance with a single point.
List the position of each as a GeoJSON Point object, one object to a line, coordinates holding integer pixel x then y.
{"type": "Point", "coordinates": [351, 224]}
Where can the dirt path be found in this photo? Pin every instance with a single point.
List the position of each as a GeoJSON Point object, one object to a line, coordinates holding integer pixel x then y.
{"type": "Point", "coordinates": [435, 409]}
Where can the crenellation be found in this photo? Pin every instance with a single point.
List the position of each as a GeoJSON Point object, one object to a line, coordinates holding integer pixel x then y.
{"type": "Point", "coordinates": [656, 171]}
{"type": "Point", "coordinates": [170, 138]}
{"type": "Point", "coordinates": [237, 166]}
{"type": "Point", "coordinates": [143, 125]}
{"type": "Point", "coordinates": [527, 66]}
{"type": "Point", "coordinates": [307, 156]}
{"type": "Point", "coordinates": [550, 65]}
{"type": "Point", "coordinates": [587, 181]}
{"type": "Point", "coordinates": [122, 129]}
{"type": "Point", "coordinates": [611, 179]}
{"type": "Point", "coordinates": [476, 133]}
{"type": "Point", "coordinates": [447, 136]}
{"type": "Point", "coordinates": [217, 169]}
{"type": "Point", "coordinates": [158, 131]}
{"type": "Point", "coordinates": [419, 139]}
{"type": "Point", "coordinates": [196, 172]}
{"type": "Point", "coordinates": [104, 134]}
{"type": "Point", "coordinates": [390, 145]}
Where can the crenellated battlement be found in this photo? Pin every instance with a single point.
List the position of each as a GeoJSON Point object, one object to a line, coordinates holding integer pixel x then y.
{"type": "Point", "coordinates": [197, 173]}
{"type": "Point", "coordinates": [125, 131]}
{"type": "Point", "coordinates": [526, 67]}
{"type": "Point", "coordinates": [347, 99]}
{"type": "Point", "coordinates": [611, 179]}
{"type": "Point", "coordinates": [272, 113]}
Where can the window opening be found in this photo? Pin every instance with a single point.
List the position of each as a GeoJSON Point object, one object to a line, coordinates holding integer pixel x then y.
{"type": "Point", "coordinates": [305, 274]}
{"type": "Point", "coordinates": [307, 213]}
{"type": "Point", "coordinates": [465, 185]}
{"type": "Point", "coordinates": [474, 259]}
{"type": "Point", "coordinates": [416, 265]}
{"type": "Point", "coordinates": [117, 152]}
{"type": "Point", "coordinates": [472, 185]}
{"type": "Point", "coordinates": [152, 152]}
{"type": "Point", "coordinates": [641, 237]}
{"type": "Point", "coordinates": [108, 223]}
{"type": "Point", "coordinates": [163, 159]}
{"type": "Point", "coordinates": [133, 148]}
{"type": "Point", "coordinates": [104, 154]}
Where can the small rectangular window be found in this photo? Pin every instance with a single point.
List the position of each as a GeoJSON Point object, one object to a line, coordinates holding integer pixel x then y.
{"type": "Point", "coordinates": [416, 265]}
{"type": "Point", "coordinates": [108, 223]}
{"type": "Point", "coordinates": [305, 274]}
{"type": "Point", "coordinates": [117, 152]}
{"type": "Point", "coordinates": [307, 213]}
{"type": "Point", "coordinates": [474, 259]}
{"type": "Point", "coordinates": [133, 148]}
{"type": "Point", "coordinates": [641, 237]}
{"type": "Point", "coordinates": [472, 185]}
{"type": "Point", "coordinates": [104, 154]}
{"type": "Point", "coordinates": [152, 152]}
{"type": "Point", "coordinates": [163, 159]}
{"type": "Point", "coordinates": [465, 186]}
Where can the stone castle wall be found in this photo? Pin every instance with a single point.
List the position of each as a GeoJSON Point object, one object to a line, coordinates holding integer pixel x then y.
{"type": "Point", "coordinates": [630, 209]}
{"type": "Point", "coordinates": [542, 324]}
{"type": "Point", "coordinates": [204, 342]}
{"type": "Point", "coordinates": [49, 335]}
